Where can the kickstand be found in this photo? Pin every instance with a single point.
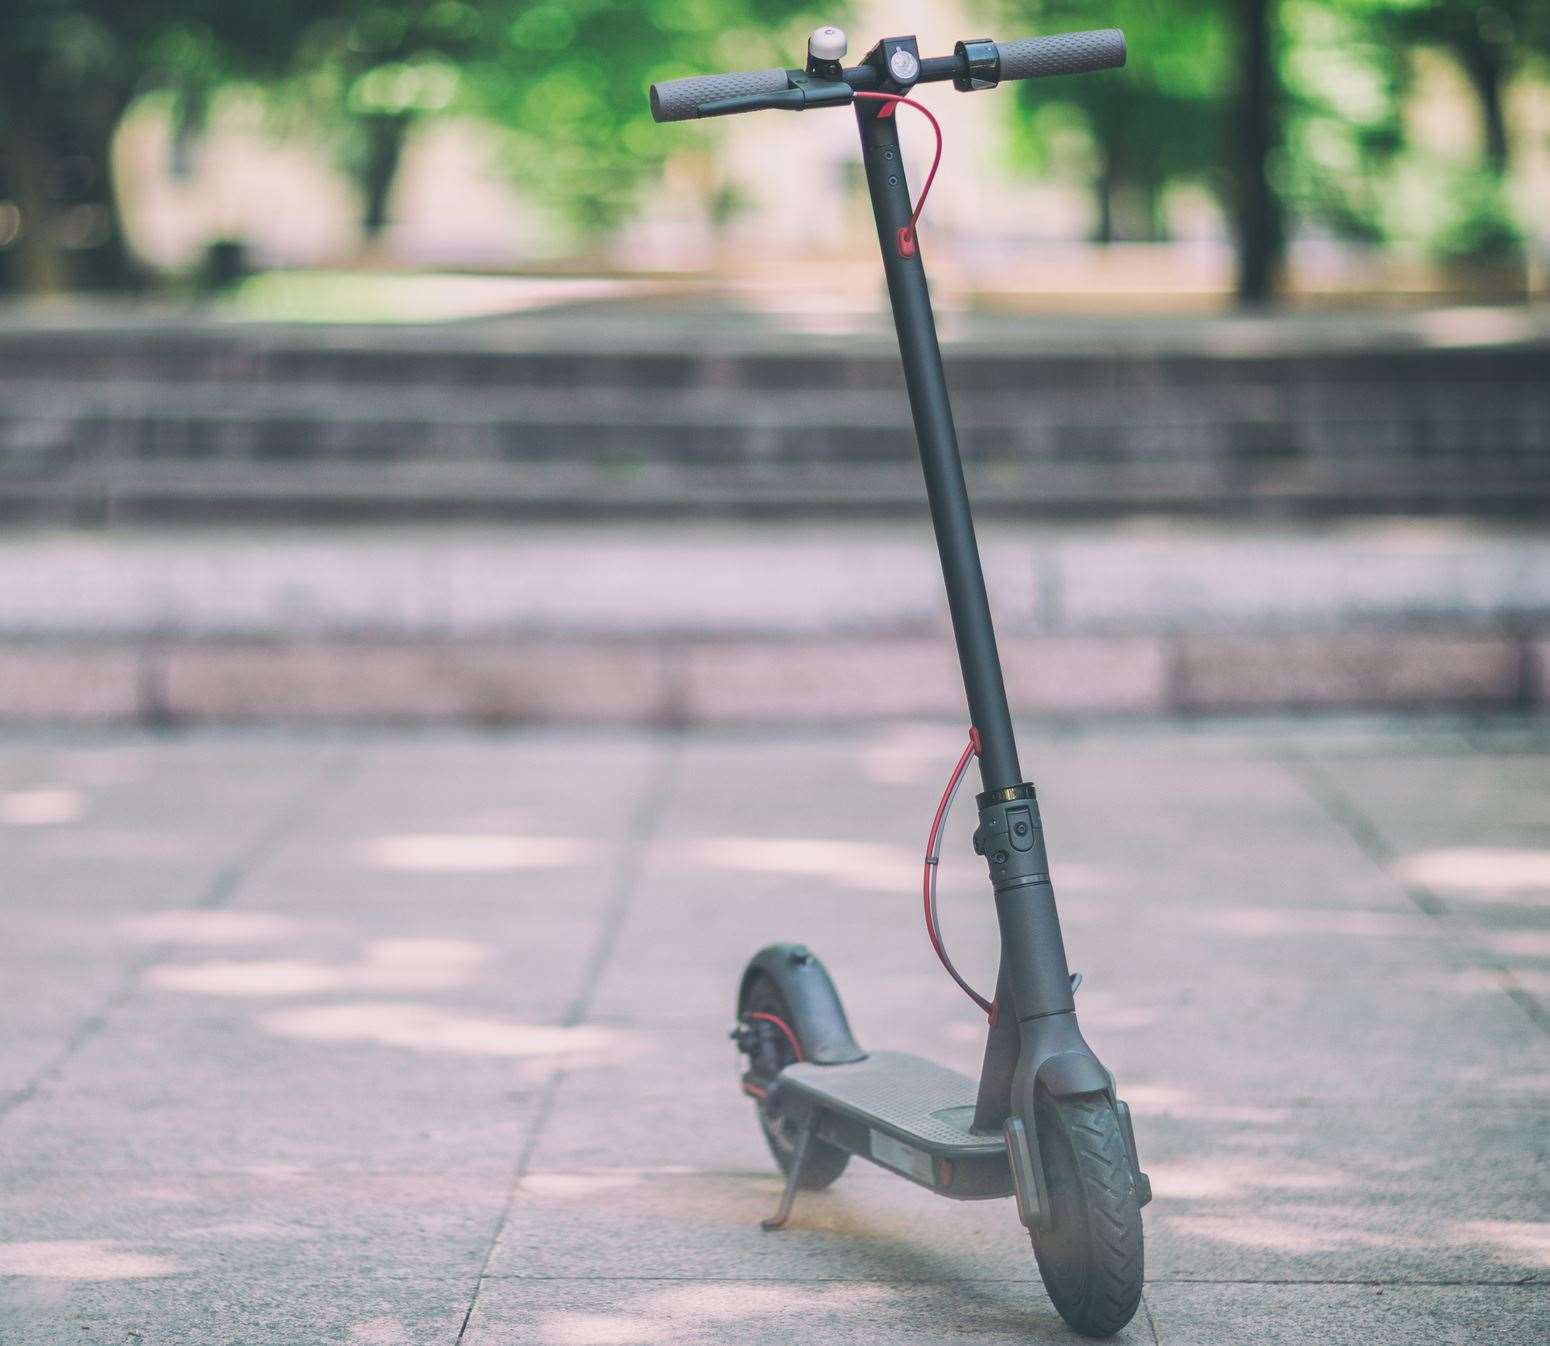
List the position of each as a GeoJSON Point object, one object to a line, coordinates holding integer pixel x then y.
{"type": "Point", "coordinates": [793, 1177]}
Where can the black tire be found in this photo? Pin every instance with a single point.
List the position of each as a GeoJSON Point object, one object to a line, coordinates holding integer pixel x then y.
{"type": "Point", "coordinates": [824, 1162]}
{"type": "Point", "coordinates": [1091, 1257]}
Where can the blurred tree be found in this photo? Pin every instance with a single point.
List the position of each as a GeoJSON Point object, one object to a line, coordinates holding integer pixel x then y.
{"type": "Point", "coordinates": [1163, 120]}
{"type": "Point", "coordinates": [1490, 43]}
{"type": "Point", "coordinates": [1344, 86]}
{"type": "Point", "coordinates": [1282, 105]}
{"type": "Point", "coordinates": [569, 81]}
{"type": "Point", "coordinates": [1201, 99]}
{"type": "Point", "coordinates": [566, 79]}
{"type": "Point", "coordinates": [68, 71]}
{"type": "Point", "coordinates": [1257, 113]}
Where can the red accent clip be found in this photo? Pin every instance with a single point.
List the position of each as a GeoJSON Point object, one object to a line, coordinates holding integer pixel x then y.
{"type": "Point", "coordinates": [906, 242]}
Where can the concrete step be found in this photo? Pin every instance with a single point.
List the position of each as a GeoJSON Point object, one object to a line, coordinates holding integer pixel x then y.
{"type": "Point", "coordinates": [226, 423]}
{"type": "Point", "coordinates": [678, 624]}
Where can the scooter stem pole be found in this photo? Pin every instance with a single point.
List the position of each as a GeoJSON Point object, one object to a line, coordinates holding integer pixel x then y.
{"type": "Point", "coordinates": [939, 456]}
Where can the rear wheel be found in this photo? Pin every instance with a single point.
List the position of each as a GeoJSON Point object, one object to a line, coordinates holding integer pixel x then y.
{"type": "Point", "coordinates": [1091, 1256]}
{"type": "Point", "coordinates": [771, 1053]}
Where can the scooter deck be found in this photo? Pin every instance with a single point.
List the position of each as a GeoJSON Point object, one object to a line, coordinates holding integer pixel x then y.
{"type": "Point", "coordinates": [905, 1113]}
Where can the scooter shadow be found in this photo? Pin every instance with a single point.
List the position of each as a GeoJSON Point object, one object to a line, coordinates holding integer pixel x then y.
{"type": "Point", "coordinates": [959, 1270]}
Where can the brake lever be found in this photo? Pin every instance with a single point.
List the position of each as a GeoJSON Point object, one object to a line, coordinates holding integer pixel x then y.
{"type": "Point", "coordinates": [805, 91]}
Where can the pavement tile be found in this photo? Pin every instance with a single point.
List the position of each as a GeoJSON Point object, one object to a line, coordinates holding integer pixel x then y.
{"type": "Point", "coordinates": [1251, 1190]}
{"type": "Point", "coordinates": [302, 1122]}
{"type": "Point", "coordinates": [689, 1312]}
{"type": "Point", "coordinates": [1350, 1315]}
{"type": "Point", "coordinates": [167, 1129]}
{"type": "Point", "coordinates": [673, 1219]}
{"type": "Point", "coordinates": [290, 1220]}
{"type": "Point", "coordinates": [241, 1305]}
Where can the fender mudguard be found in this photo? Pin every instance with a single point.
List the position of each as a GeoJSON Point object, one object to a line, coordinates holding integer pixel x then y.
{"type": "Point", "coordinates": [805, 985]}
{"type": "Point", "coordinates": [1054, 1056]}
{"type": "Point", "coordinates": [1072, 1073]}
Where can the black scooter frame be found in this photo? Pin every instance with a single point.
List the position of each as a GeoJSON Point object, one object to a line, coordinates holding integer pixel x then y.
{"type": "Point", "coordinates": [1034, 1039]}
{"type": "Point", "coordinates": [821, 1098]}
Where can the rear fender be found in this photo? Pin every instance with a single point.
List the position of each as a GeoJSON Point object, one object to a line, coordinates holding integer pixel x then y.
{"type": "Point", "coordinates": [804, 984]}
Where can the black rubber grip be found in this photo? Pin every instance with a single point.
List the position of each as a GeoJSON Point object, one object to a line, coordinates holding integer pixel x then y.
{"type": "Point", "coordinates": [1063, 54]}
{"type": "Point", "coordinates": [680, 100]}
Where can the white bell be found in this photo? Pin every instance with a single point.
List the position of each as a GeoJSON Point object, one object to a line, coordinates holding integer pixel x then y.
{"type": "Point", "coordinates": [827, 43]}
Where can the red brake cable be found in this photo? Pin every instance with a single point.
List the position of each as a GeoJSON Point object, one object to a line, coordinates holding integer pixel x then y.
{"type": "Point", "coordinates": [933, 856]}
{"type": "Point", "coordinates": [784, 1027]}
{"type": "Point", "coordinates": [890, 101]}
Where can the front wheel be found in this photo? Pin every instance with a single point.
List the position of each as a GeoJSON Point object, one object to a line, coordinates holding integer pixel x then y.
{"type": "Point", "coordinates": [1091, 1254]}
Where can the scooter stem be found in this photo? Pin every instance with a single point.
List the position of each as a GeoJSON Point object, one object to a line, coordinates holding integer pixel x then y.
{"type": "Point", "coordinates": [939, 456]}
{"type": "Point", "coordinates": [1035, 1022]}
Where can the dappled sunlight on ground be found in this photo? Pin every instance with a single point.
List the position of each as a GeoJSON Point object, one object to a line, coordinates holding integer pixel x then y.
{"type": "Point", "coordinates": [1224, 1176]}
{"type": "Point", "coordinates": [44, 807]}
{"type": "Point", "coordinates": [182, 926]}
{"type": "Point", "coordinates": [674, 1314]}
{"type": "Point", "coordinates": [240, 1230]}
{"type": "Point", "coordinates": [1515, 943]}
{"type": "Point", "coordinates": [1301, 1229]}
{"type": "Point", "coordinates": [432, 1028]}
{"type": "Point", "coordinates": [1472, 981]}
{"type": "Point", "coordinates": [82, 1260]}
{"type": "Point", "coordinates": [303, 1085]}
{"type": "Point", "coordinates": [1272, 922]}
{"type": "Point", "coordinates": [379, 1332]}
{"type": "Point", "coordinates": [1309, 1230]}
{"type": "Point", "coordinates": [583, 1186]}
{"type": "Point", "coordinates": [472, 853]}
{"type": "Point", "coordinates": [1515, 1240]}
{"type": "Point", "coordinates": [384, 965]}
{"type": "Point", "coordinates": [1484, 873]}
{"type": "Point", "coordinates": [862, 865]}
{"type": "Point", "coordinates": [1175, 1101]}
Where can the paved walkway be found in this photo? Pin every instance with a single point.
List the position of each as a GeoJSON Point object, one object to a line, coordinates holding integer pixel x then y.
{"type": "Point", "coordinates": [420, 1039]}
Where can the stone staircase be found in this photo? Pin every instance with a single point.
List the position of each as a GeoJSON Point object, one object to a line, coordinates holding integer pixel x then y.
{"type": "Point", "coordinates": [204, 421]}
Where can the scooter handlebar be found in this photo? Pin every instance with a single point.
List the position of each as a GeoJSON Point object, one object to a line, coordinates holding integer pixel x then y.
{"type": "Point", "coordinates": [678, 100]}
{"type": "Point", "coordinates": [1063, 54]}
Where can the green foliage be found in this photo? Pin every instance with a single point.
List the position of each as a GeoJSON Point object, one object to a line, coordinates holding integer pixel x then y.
{"type": "Point", "coordinates": [566, 79]}
{"type": "Point", "coordinates": [1339, 161]}
{"type": "Point", "coordinates": [68, 71]}
{"type": "Point", "coordinates": [1343, 88]}
{"type": "Point", "coordinates": [569, 81]}
{"type": "Point", "coordinates": [1163, 121]}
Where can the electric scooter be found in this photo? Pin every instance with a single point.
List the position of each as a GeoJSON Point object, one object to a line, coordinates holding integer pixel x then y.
{"type": "Point", "coordinates": [1043, 1124]}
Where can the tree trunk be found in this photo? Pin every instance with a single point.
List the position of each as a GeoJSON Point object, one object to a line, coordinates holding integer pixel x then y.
{"type": "Point", "coordinates": [35, 266]}
{"type": "Point", "coordinates": [1259, 224]}
{"type": "Point", "coordinates": [385, 137]}
{"type": "Point", "coordinates": [59, 165]}
{"type": "Point", "coordinates": [103, 261]}
{"type": "Point", "coordinates": [1104, 188]}
{"type": "Point", "coordinates": [1483, 64]}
